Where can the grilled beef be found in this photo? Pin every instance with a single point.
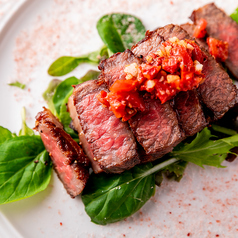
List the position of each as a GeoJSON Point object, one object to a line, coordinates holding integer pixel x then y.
{"type": "Point", "coordinates": [149, 44]}
{"type": "Point", "coordinates": [221, 27]}
{"type": "Point", "coordinates": [189, 110]}
{"type": "Point", "coordinates": [112, 69]}
{"type": "Point", "coordinates": [69, 160]}
{"type": "Point", "coordinates": [110, 140]}
{"type": "Point", "coordinates": [184, 102]}
{"type": "Point", "coordinates": [217, 92]}
{"type": "Point", "coordinates": [83, 141]}
{"type": "Point", "coordinates": [156, 129]}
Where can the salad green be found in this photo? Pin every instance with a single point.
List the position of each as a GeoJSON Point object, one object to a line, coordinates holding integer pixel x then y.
{"type": "Point", "coordinates": [17, 84]}
{"type": "Point", "coordinates": [25, 166]}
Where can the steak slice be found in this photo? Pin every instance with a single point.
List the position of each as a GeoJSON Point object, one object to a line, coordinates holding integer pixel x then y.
{"type": "Point", "coordinates": [221, 27]}
{"type": "Point", "coordinates": [186, 102]}
{"type": "Point", "coordinates": [189, 111]}
{"type": "Point", "coordinates": [75, 123]}
{"type": "Point", "coordinates": [110, 140]}
{"type": "Point", "coordinates": [156, 129]}
{"type": "Point", "coordinates": [149, 44]}
{"type": "Point", "coordinates": [112, 68]}
{"type": "Point", "coordinates": [69, 160]}
{"type": "Point", "coordinates": [217, 91]}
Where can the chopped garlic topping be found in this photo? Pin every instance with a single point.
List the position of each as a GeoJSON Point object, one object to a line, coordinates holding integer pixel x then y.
{"type": "Point", "coordinates": [167, 49]}
{"type": "Point", "coordinates": [173, 39]}
{"type": "Point", "coordinates": [182, 43]}
{"type": "Point", "coordinates": [150, 84]}
{"type": "Point", "coordinates": [132, 69]}
{"type": "Point", "coordinates": [171, 78]}
{"type": "Point", "coordinates": [190, 47]}
{"type": "Point", "coordinates": [198, 67]}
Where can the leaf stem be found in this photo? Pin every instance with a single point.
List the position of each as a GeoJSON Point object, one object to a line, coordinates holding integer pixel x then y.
{"type": "Point", "coordinates": [160, 166]}
{"type": "Point", "coordinates": [224, 130]}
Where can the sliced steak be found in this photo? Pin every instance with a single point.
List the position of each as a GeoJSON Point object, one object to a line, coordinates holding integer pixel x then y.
{"type": "Point", "coordinates": [156, 129]}
{"type": "Point", "coordinates": [186, 102]}
{"type": "Point", "coordinates": [82, 140]}
{"type": "Point", "coordinates": [222, 27]}
{"type": "Point", "coordinates": [69, 160]}
{"type": "Point", "coordinates": [189, 111]}
{"type": "Point", "coordinates": [112, 69]}
{"type": "Point", "coordinates": [110, 140]}
{"type": "Point", "coordinates": [149, 44]}
{"type": "Point", "coordinates": [217, 92]}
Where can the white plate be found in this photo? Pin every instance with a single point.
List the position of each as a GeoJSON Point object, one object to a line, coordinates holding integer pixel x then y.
{"type": "Point", "coordinates": [33, 34]}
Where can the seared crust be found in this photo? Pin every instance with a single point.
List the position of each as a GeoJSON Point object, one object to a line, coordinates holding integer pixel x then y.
{"type": "Point", "coordinates": [69, 160]}
{"type": "Point", "coordinates": [189, 111]}
{"type": "Point", "coordinates": [112, 69]}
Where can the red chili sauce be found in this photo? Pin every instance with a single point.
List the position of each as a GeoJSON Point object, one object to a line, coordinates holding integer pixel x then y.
{"type": "Point", "coordinates": [200, 29]}
{"type": "Point", "coordinates": [218, 49]}
{"type": "Point", "coordinates": [176, 66]}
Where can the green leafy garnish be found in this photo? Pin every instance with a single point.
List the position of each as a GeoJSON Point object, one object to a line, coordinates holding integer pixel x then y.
{"type": "Point", "coordinates": [25, 129]}
{"type": "Point", "coordinates": [234, 15]}
{"type": "Point", "coordinates": [125, 30]}
{"type": "Point", "coordinates": [49, 92]}
{"type": "Point", "coordinates": [17, 84]}
{"type": "Point", "coordinates": [106, 203]}
{"type": "Point", "coordinates": [61, 91]}
{"type": "Point", "coordinates": [111, 198]}
{"type": "Point", "coordinates": [223, 130]}
{"type": "Point", "coordinates": [25, 166]}
{"type": "Point", "coordinates": [5, 134]}
{"type": "Point", "coordinates": [66, 64]}
{"type": "Point", "coordinates": [203, 151]}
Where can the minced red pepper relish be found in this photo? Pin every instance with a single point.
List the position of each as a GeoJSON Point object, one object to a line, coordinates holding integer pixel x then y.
{"type": "Point", "coordinates": [176, 66]}
{"type": "Point", "coordinates": [218, 49]}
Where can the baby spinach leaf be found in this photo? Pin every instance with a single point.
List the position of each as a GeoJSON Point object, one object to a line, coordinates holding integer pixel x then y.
{"type": "Point", "coordinates": [5, 134]}
{"type": "Point", "coordinates": [17, 84]}
{"type": "Point", "coordinates": [25, 129]}
{"type": "Point", "coordinates": [204, 151]}
{"type": "Point", "coordinates": [110, 198]}
{"type": "Point", "coordinates": [65, 118]}
{"type": "Point", "coordinates": [49, 92]}
{"type": "Point", "coordinates": [234, 15]}
{"type": "Point", "coordinates": [66, 64]}
{"type": "Point", "coordinates": [62, 90]}
{"type": "Point", "coordinates": [175, 171]}
{"type": "Point", "coordinates": [25, 168]}
{"type": "Point", "coordinates": [120, 31]}
{"type": "Point", "coordinates": [90, 75]}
